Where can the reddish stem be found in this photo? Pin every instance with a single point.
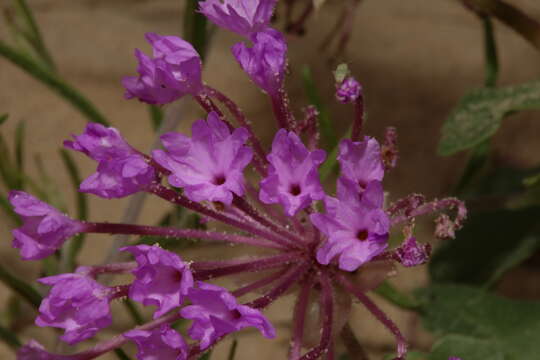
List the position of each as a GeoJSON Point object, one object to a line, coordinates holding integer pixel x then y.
{"type": "Point", "coordinates": [327, 313]}
{"type": "Point", "coordinates": [249, 266]}
{"type": "Point", "coordinates": [293, 275]}
{"type": "Point", "coordinates": [377, 312]}
{"type": "Point", "coordinates": [358, 118]}
{"type": "Point", "coordinates": [243, 205]}
{"type": "Point", "coordinates": [299, 318]}
{"type": "Point", "coordinates": [259, 283]}
{"type": "Point", "coordinates": [175, 198]}
{"type": "Point", "coordinates": [260, 158]}
{"type": "Point", "coordinates": [282, 113]}
{"type": "Point", "coordinates": [170, 232]}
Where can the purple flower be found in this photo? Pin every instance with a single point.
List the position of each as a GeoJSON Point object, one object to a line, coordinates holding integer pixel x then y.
{"type": "Point", "coordinates": [361, 161]}
{"type": "Point", "coordinates": [174, 71]}
{"type": "Point", "coordinates": [35, 351]}
{"type": "Point", "coordinates": [210, 164]}
{"type": "Point", "coordinates": [348, 90]}
{"type": "Point", "coordinates": [293, 178]}
{"type": "Point", "coordinates": [161, 279]}
{"type": "Point", "coordinates": [454, 358]}
{"type": "Point", "coordinates": [76, 303]}
{"type": "Point", "coordinates": [121, 169]}
{"type": "Point", "coordinates": [356, 227]}
{"type": "Point", "coordinates": [412, 253]}
{"type": "Point", "coordinates": [216, 313]}
{"type": "Point", "coordinates": [44, 229]}
{"type": "Point", "coordinates": [264, 62]}
{"type": "Point", "coordinates": [161, 343]}
{"type": "Point", "coordinates": [240, 16]}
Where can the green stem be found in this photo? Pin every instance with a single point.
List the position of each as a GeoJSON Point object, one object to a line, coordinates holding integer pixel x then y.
{"type": "Point", "coordinates": [490, 52]}
{"type": "Point", "coordinates": [63, 89]}
{"type": "Point", "coordinates": [134, 312]}
{"type": "Point", "coordinates": [9, 338]}
{"type": "Point", "coordinates": [20, 287]}
{"type": "Point", "coordinates": [232, 350]}
{"type": "Point", "coordinates": [394, 296]}
{"type": "Point", "coordinates": [73, 246]}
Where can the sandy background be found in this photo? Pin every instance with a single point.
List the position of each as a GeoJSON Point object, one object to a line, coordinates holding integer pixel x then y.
{"type": "Point", "coordinates": [415, 59]}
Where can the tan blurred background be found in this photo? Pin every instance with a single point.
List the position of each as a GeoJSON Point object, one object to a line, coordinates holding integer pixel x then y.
{"type": "Point", "coordinates": [415, 59]}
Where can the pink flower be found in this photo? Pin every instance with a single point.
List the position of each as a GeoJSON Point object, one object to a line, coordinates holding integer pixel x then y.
{"type": "Point", "coordinates": [121, 170]}
{"type": "Point", "coordinates": [161, 343]}
{"type": "Point", "coordinates": [216, 313]}
{"type": "Point", "coordinates": [174, 71]}
{"type": "Point", "coordinates": [240, 16]}
{"type": "Point", "coordinates": [161, 278]}
{"type": "Point", "coordinates": [293, 178]}
{"type": "Point", "coordinates": [210, 164]}
{"type": "Point", "coordinates": [357, 227]}
{"type": "Point", "coordinates": [44, 229]}
{"type": "Point", "coordinates": [76, 303]}
{"type": "Point", "coordinates": [265, 61]}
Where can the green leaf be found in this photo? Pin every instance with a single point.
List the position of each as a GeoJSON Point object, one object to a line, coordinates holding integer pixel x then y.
{"type": "Point", "coordinates": [6, 206]}
{"type": "Point", "coordinates": [33, 34]}
{"type": "Point", "coordinates": [156, 116]}
{"type": "Point", "coordinates": [195, 27]}
{"type": "Point", "coordinates": [206, 355]}
{"type": "Point", "coordinates": [19, 152]}
{"type": "Point", "coordinates": [341, 72]}
{"type": "Point", "coordinates": [20, 287]}
{"type": "Point", "coordinates": [120, 354]}
{"type": "Point", "coordinates": [3, 118]}
{"type": "Point", "coordinates": [325, 124]}
{"type": "Point", "coordinates": [476, 325]}
{"type": "Point", "coordinates": [490, 244]}
{"type": "Point", "coordinates": [133, 311]}
{"type": "Point", "coordinates": [394, 296]}
{"type": "Point", "coordinates": [479, 114]}
{"type": "Point", "coordinates": [63, 89]}
{"type": "Point", "coordinates": [9, 338]}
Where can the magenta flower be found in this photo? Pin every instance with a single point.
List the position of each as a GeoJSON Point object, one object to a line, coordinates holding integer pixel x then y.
{"type": "Point", "coordinates": [348, 90]}
{"type": "Point", "coordinates": [264, 62]}
{"type": "Point", "coordinates": [162, 279]}
{"type": "Point", "coordinates": [121, 169]}
{"type": "Point", "coordinates": [411, 253]}
{"type": "Point", "coordinates": [35, 351]}
{"type": "Point", "coordinates": [361, 162]}
{"type": "Point", "coordinates": [44, 229]}
{"type": "Point", "coordinates": [210, 164]}
{"type": "Point", "coordinates": [293, 178]}
{"type": "Point", "coordinates": [174, 71]}
{"type": "Point", "coordinates": [160, 343]}
{"type": "Point", "coordinates": [216, 313]}
{"type": "Point", "coordinates": [357, 228]}
{"type": "Point", "coordinates": [241, 17]}
{"type": "Point", "coordinates": [76, 303]}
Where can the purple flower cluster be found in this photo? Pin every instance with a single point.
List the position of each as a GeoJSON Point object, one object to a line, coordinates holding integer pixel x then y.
{"type": "Point", "coordinates": [280, 211]}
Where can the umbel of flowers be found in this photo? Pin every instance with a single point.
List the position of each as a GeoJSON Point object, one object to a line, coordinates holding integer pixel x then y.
{"type": "Point", "coordinates": [313, 253]}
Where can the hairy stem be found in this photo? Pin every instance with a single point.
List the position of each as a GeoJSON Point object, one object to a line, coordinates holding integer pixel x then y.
{"type": "Point", "coordinates": [175, 198]}
{"type": "Point", "coordinates": [171, 232]}
{"type": "Point", "coordinates": [377, 312]}
{"type": "Point", "coordinates": [200, 273]}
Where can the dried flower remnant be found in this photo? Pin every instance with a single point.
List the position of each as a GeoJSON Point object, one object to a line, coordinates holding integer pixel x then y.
{"type": "Point", "coordinates": [331, 256]}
